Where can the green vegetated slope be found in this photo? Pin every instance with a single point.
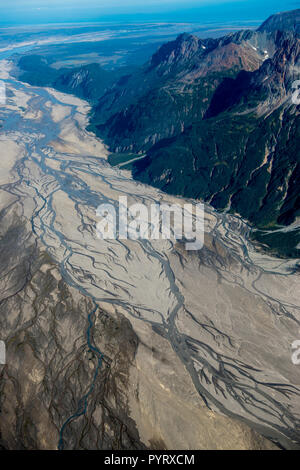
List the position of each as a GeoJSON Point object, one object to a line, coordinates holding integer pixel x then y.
{"type": "Point", "coordinates": [244, 155]}
{"type": "Point", "coordinates": [230, 162]}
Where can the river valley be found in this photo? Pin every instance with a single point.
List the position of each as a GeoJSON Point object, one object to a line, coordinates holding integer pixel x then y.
{"type": "Point", "coordinates": [207, 352]}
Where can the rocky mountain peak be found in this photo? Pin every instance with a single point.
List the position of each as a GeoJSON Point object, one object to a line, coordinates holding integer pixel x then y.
{"type": "Point", "coordinates": [279, 72]}
{"type": "Point", "coordinates": [182, 49]}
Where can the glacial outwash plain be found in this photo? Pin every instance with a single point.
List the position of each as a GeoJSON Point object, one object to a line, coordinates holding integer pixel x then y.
{"type": "Point", "coordinates": [130, 344]}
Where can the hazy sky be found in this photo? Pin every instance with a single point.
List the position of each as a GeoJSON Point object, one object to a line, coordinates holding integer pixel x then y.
{"type": "Point", "coordinates": [44, 11]}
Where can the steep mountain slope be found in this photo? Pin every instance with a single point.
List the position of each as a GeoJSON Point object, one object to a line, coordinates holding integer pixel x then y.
{"type": "Point", "coordinates": [244, 154]}
{"type": "Point", "coordinates": [286, 21]}
{"type": "Point", "coordinates": [176, 87]}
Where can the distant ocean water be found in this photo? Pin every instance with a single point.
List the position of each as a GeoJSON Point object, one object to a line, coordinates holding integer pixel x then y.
{"type": "Point", "coordinates": [14, 12]}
